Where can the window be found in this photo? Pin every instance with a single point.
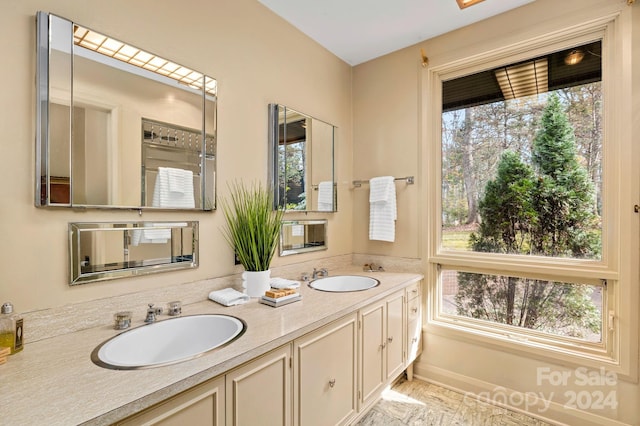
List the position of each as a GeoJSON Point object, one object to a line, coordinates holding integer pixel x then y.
{"type": "Point", "coordinates": [524, 251]}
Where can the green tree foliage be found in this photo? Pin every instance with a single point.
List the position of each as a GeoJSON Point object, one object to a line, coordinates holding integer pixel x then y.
{"type": "Point", "coordinates": [481, 133]}
{"type": "Point", "coordinates": [564, 196]}
{"type": "Point", "coordinates": [547, 209]}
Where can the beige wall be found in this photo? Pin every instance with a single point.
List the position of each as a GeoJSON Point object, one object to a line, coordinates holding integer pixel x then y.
{"type": "Point", "coordinates": [391, 137]}
{"type": "Point", "coordinates": [257, 59]}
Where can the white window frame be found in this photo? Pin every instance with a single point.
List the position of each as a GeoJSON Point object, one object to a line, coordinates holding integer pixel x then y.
{"type": "Point", "coordinates": [619, 351]}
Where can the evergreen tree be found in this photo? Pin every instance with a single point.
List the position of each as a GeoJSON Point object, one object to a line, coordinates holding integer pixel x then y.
{"type": "Point", "coordinates": [564, 196]}
{"type": "Point", "coordinates": [547, 210]}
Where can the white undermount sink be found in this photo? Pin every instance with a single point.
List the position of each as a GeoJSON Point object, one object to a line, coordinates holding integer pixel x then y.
{"type": "Point", "coordinates": [167, 342]}
{"type": "Point", "coordinates": [344, 283]}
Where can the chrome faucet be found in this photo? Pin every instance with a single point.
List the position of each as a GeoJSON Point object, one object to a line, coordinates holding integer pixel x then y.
{"type": "Point", "coordinates": [319, 273]}
{"type": "Point", "coordinates": [151, 313]}
{"type": "Point", "coordinates": [372, 267]}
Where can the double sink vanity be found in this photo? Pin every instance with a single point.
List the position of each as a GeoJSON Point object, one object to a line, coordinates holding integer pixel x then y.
{"type": "Point", "coordinates": [321, 361]}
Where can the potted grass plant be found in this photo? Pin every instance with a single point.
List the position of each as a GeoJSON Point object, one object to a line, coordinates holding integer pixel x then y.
{"type": "Point", "coordinates": [252, 230]}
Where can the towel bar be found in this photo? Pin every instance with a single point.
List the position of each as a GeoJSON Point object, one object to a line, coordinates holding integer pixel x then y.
{"type": "Point", "coordinates": [410, 180]}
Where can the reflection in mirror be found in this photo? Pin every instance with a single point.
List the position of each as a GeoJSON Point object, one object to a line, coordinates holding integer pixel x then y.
{"type": "Point", "coordinates": [103, 251]}
{"type": "Point", "coordinates": [96, 99]}
{"type": "Point", "coordinates": [301, 161]}
{"type": "Point", "coordinates": [301, 236]}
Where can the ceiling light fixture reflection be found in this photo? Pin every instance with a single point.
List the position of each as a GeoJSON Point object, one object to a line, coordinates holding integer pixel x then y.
{"type": "Point", "coordinates": [112, 48]}
{"type": "Point", "coordinates": [529, 78]}
{"type": "Point", "coordinates": [574, 57]}
{"type": "Point", "coordinates": [466, 3]}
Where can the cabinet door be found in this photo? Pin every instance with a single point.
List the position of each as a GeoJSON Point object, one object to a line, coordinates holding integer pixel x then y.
{"type": "Point", "coordinates": [372, 353]}
{"type": "Point", "coordinates": [259, 392]}
{"type": "Point", "coordinates": [202, 405]}
{"type": "Point", "coordinates": [394, 335]}
{"type": "Point", "coordinates": [324, 374]}
{"type": "Point", "coordinates": [414, 343]}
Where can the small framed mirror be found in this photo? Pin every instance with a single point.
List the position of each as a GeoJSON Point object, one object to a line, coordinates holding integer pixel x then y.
{"type": "Point", "coordinates": [104, 251]}
{"type": "Point", "coordinates": [120, 127]}
{"type": "Point", "coordinates": [301, 236]}
{"type": "Point", "coordinates": [301, 161]}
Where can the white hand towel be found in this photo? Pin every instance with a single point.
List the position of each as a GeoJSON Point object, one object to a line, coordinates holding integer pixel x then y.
{"type": "Point", "coordinates": [157, 234]}
{"type": "Point", "coordinates": [382, 209]}
{"type": "Point", "coordinates": [180, 180]}
{"type": "Point", "coordinates": [173, 188]}
{"type": "Point", "coordinates": [283, 283]}
{"type": "Point", "coordinates": [228, 297]}
{"type": "Point", "coordinates": [325, 196]}
{"type": "Point", "coordinates": [150, 235]}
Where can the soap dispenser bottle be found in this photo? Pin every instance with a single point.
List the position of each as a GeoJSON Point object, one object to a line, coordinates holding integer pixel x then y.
{"type": "Point", "coordinates": [10, 328]}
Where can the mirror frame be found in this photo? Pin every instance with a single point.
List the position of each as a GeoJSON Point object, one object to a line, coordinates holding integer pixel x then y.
{"type": "Point", "coordinates": [274, 169]}
{"type": "Point", "coordinates": [45, 184]}
{"type": "Point", "coordinates": [76, 276]}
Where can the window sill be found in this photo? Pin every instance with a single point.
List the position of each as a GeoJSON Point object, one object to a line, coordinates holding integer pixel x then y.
{"type": "Point", "coordinates": [527, 348]}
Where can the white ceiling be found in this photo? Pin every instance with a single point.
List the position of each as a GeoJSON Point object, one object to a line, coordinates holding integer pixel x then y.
{"type": "Point", "coordinates": [359, 30]}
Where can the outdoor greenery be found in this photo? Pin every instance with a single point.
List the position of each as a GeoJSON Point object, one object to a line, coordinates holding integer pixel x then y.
{"type": "Point", "coordinates": [540, 198]}
{"type": "Point", "coordinates": [291, 163]}
{"type": "Point", "coordinates": [474, 138]}
{"type": "Point", "coordinates": [253, 226]}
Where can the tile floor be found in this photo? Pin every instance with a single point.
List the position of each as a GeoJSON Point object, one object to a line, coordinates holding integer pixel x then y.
{"type": "Point", "coordinates": [419, 403]}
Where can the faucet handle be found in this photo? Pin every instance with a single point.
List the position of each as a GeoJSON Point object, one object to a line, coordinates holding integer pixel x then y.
{"type": "Point", "coordinates": [175, 308]}
{"type": "Point", "coordinates": [304, 277]}
{"type": "Point", "coordinates": [372, 267]}
{"type": "Point", "coordinates": [122, 320]}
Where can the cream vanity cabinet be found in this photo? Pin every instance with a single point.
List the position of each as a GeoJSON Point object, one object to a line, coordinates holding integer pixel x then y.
{"type": "Point", "coordinates": [328, 376]}
{"type": "Point", "coordinates": [381, 343]}
{"type": "Point", "coordinates": [324, 374]}
{"type": "Point", "coordinates": [202, 405]}
{"type": "Point", "coordinates": [256, 393]}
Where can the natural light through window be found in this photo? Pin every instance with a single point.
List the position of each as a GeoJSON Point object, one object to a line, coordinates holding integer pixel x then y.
{"type": "Point", "coordinates": [522, 182]}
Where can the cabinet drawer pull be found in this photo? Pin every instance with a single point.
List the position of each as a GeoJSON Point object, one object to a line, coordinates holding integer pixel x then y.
{"type": "Point", "coordinates": [414, 291]}
{"type": "Point", "coordinates": [390, 339]}
{"type": "Point", "coordinates": [414, 310]}
{"type": "Point", "coordinates": [332, 383]}
{"type": "Point", "coordinates": [414, 340]}
{"type": "Point", "coordinates": [383, 345]}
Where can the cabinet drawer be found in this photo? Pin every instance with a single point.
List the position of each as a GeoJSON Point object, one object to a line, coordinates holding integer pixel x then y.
{"type": "Point", "coordinates": [413, 291]}
{"type": "Point", "coordinates": [413, 309]}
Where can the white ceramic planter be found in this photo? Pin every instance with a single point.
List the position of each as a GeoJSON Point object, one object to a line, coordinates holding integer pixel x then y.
{"type": "Point", "coordinates": [256, 282]}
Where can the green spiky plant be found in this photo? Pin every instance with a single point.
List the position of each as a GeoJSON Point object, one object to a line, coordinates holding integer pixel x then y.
{"type": "Point", "coordinates": [253, 226]}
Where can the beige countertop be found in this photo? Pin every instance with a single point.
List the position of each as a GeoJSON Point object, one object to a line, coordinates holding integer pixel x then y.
{"type": "Point", "coordinates": [54, 382]}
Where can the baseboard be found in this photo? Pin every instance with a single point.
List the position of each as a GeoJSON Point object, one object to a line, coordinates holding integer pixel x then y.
{"type": "Point", "coordinates": [548, 411]}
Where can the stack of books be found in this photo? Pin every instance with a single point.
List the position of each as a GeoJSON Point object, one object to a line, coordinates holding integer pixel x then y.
{"type": "Point", "coordinates": [280, 297]}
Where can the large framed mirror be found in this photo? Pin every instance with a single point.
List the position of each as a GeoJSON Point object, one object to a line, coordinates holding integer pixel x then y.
{"type": "Point", "coordinates": [301, 161]}
{"type": "Point", "coordinates": [120, 127]}
{"type": "Point", "coordinates": [105, 251]}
